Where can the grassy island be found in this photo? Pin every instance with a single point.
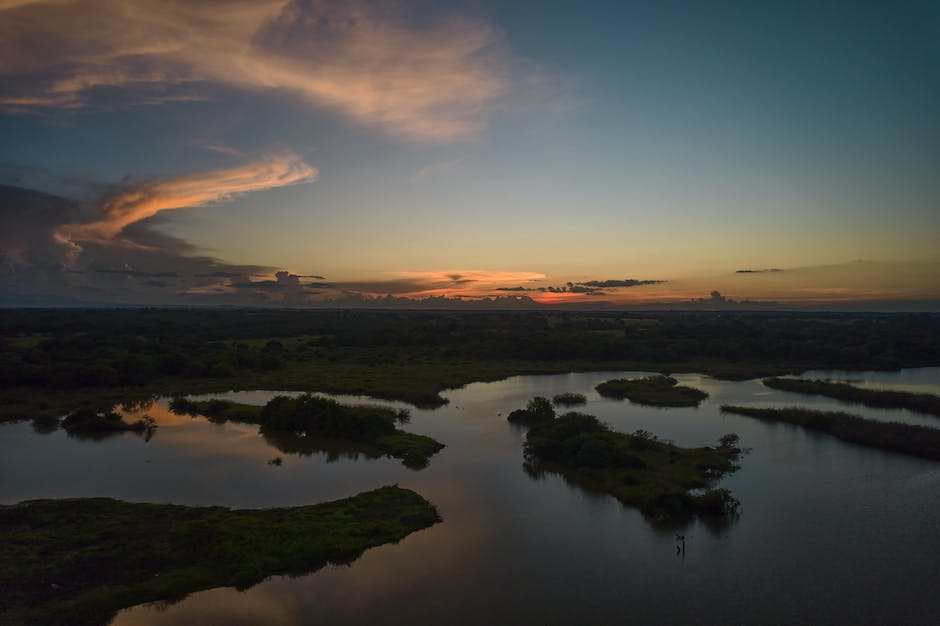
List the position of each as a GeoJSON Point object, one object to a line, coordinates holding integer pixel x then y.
{"type": "Point", "coordinates": [569, 399]}
{"type": "Point", "coordinates": [313, 416]}
{"type": "Point", "coordinates": [638, 469]}
{"type": "Point", "coordinates": [79, 561]}
{"type": "Point", "coordinates": [875, 398]}
{"type": "Point", "coordinates": [652, 390]}
{"type": "Point", "coordinates": [909, 439]}
{"type": "Point", "coordinates": [538, 411]}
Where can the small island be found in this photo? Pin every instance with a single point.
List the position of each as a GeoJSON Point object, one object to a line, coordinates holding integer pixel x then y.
{"type": "Point", "coordinates": [638, 469]}
{"type": "Point", "coordinates": [314, 416]}
{"type": "Point", "coordinates": [657, 390]}
{"type": "Point", "coordinates": [538, 411]}
{"type": "Point", "coordinates": [910, 439]}
{"type": "Point", "coordinates": [875, 398]}
{"type": "Point", "coordinates": [569, 399]}
{"type": "Point", "coordinates": [87, 423]}
{"type": "Point", "coordinates": [79, 561]}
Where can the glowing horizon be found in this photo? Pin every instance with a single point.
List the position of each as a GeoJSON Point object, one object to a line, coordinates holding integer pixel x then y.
{"type": "Point", "coordinates": [339, 153]}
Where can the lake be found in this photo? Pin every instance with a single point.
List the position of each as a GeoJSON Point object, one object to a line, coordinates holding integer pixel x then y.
{"type": "Point", "coordinates": [828, 532]}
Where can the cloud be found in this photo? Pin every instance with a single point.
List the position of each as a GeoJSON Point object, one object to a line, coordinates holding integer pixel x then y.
{"type": "Point", "coordinates": [436, 168]}
{"type": "Point", "coordinates": [138, 274]}
{"type": "Point", "coordinates": [134, 202]}
{"type": "Point", "coordinates": [37, 267]}
{"type": "Point", "coordinates": [629, 282]}
{"type": "Point", "coordinates": [408, 71]}
{"type": "Point", "coordinates": [764, 271]}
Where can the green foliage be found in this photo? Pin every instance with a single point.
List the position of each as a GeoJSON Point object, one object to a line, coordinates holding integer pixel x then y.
{"type": "Point", "coordinates": [284, 417]}
{"type": "Point", "coordinates": [78, 562]}
{"type": "Point", "coordinates": [910, 439]}
{"type": "Point", "coordinates": [414, 355]}
{"type": "Point", "coordinates": [569, 399]}
{"type": "Point", "coordinates": [90, 423]}
{"type": "Point", "coordinates": [327, 417]}
{"type": "Point", "coordinates": [537, 410]}
{"type": "Point", "coordinates": [877, 398]}
{"type": "Point", "coordinates": [652, 390]}
{"type": "Point", "coordinates": [638, 469]}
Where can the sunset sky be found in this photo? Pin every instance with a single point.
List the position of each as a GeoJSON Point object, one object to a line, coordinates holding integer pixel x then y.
{"type": "Point", "coordinates": [320, 153]}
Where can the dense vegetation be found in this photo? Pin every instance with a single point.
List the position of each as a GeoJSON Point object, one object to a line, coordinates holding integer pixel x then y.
{"type": "Point", "coordinates": [638, 469]}
{"type": "Point", "coordinates": [103, 357]}
{"type": "Point", "coordinates": [910, 439]}
{"type": "Point", "coordinates": [80, 561]}
{"type": "Point", "coordinates": [877, 398]}
{"type": "Point", "coordinates": [569, 399]}
{"type": "Point", "coordinates": [314, 416]}
{"type": "Point", "coordinates": [91, 424]}
{"type": "Point", "coordinates": [652, 390]}
{"type": "Point", "coordinates": [538, 410]}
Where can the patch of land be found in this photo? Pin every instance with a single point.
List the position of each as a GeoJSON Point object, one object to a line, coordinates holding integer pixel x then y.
{"type": "Point", "coordinates": [875, 398]}
{"type": "Point", "coordinates": [652, 390]}
{"type": "Point", "coordinates": [287, 421]}
{"type": "Point", "coordinates": [638, 469]}
{"type": "Point", "coordinates": [78, 562]}
{"type": "Point", "coordinates": [537, 411]}
{"type": "Point", "coordinates": [569, 399]}
{"type": "Point", "coordinates": [89, 424]}
{"type": "Point", "coordinates": [55, 361]}
{"type": "Point", "coordinates": [910, 439]}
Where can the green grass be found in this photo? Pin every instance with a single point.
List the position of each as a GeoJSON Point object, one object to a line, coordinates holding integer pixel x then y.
{"type": "Point", "coordinates": [638, 469]}
{"type": "Point", "coordinates": [910, 439]}
{"type": "Point", "coordinates": [652, 390]}
{"type": "Point", "coordinates": [876, 398]}
{"type": "Point", "coordinates": [79, 561]}
{"type": "Point", "coordinates": [286, 422]}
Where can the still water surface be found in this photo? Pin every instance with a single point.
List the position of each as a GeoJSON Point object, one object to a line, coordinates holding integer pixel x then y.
{"type": "Point", "coordinates": [828, 532]}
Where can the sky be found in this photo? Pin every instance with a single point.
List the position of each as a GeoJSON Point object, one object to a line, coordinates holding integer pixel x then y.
{"type": "Point", "coordinates": [661, 154]}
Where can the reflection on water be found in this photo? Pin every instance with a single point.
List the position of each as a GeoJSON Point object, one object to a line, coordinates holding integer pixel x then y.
{"type": "Point", "coordinates": [331, 449]}
{"type": "Point", "coordinates": [828, 532]}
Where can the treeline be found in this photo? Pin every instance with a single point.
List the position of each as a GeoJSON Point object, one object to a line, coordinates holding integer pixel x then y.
{"type": "Point", "coordinates": [105, 348]}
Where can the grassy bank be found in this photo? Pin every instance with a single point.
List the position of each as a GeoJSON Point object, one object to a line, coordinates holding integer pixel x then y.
{"type": "Point", "coordinates": [909, 439]}
{"type": "Point", "coordinates": [638, 469]}
{"type": "Point", "coordinates": [875, 398]}
{"type": "Point", "coordinates": [652, 391]}
{"type": "Point", "coordinates": [80, 561]}
{"type": "Point", "coordinates": [284, 419]}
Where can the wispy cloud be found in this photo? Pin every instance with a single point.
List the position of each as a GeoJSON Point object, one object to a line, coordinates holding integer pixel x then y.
{"type": "Point", "coordinates": [435, 168]}
{"type": "Point", "coordinates": [374, 62]}
{"type": "Point", "coordinates": [137, 201]}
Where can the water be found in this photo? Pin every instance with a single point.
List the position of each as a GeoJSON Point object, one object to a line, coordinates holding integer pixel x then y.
{"type": "Point", "coordinates": [828, 532]}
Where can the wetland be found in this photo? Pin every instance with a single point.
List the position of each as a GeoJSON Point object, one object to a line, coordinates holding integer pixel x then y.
{"type": "Point", "coordinates": [814, 511]}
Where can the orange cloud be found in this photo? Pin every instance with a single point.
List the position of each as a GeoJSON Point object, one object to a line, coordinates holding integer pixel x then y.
{"type": "Point", "coordinates": [366, 60]}
{"type": "Point", "coordinates": [137, 202]}
{"type": "Point", "coordinates": [469, 283]}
